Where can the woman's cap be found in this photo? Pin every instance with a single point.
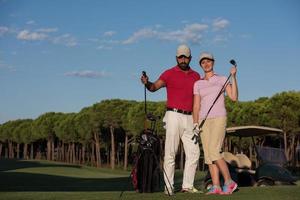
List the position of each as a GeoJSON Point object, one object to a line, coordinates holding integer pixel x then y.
{"type": "Point", "coordinates": [206, 55]}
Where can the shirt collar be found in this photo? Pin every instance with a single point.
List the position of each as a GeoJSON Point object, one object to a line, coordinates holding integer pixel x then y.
{"type": "Point", "coordinates": [213, 76]}
{"type": "Point", "coordinates": [177, 68]}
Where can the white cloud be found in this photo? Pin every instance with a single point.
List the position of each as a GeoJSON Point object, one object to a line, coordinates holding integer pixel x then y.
{"type": "Point", "coordinates": [195, 27]}
{"type": "Point", "coordinates": [66, 40]}
{"type": "Point", "coordinates": [101, 47]}
{"type": "Point", "coordinates": [105, 47]}
{"type": "Point", "coordinates": [220, 39]}
{"type": "Point", "coordinates": [246, 36]}
{"type": "Point", "coordinates": [87, 74]}
{"type": "Point", "coordinates": [107, 44]}
{"type": "Point", "coordinates": [93, 39]}
{"type": "Point", "coordinates": [3, 30]}
{"type": "Point", "coordinates": [219, 24]}
{"type": "Point", "coordinates": [190, 33]}
{"type": "Point", "coordinates": [158, 26]}
{"type": "Point", "coordinates": [105, 41]}
{"type": "Point", "coordinates": [30, 22]}
{"type": "Point", "coordinates": [109, 33]}
{"type": "Point", "coordinates": [141, 34]}
{"type": "Point", "coordinates": [7, 67]}
{"type": "Point", "coordinates": [47, 30]}
{"type": "Point", "coordinates": [185, 21]}
{"type": "Point", "coordinates": [27, 35]}
{"type": "Point", "coordinates": [45, 33]}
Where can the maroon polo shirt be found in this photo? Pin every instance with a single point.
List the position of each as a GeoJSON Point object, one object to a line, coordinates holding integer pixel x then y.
{"type": "Point", "coordinates": [179, 86]}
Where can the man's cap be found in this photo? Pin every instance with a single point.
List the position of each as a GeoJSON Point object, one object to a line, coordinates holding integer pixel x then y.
{"type": "Point", "coordinates": [183, 50]}
{"type": "Point", "coordinates": [206, 55]}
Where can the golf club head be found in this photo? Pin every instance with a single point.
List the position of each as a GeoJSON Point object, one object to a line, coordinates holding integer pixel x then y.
{"type": "Point", "coordinates": [233, 62]}
{"type": "Point", "coordinates": [152, 117]}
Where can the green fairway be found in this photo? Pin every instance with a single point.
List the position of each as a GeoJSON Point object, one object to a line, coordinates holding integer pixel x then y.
{"type": "Point", "coordinates": [50, 180]}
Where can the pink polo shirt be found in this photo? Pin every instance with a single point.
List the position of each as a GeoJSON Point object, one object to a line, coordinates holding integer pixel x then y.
{"type": "Point", "coordinates": [179, 87]}
{"type": "Point", "coordinates": [208, 91]}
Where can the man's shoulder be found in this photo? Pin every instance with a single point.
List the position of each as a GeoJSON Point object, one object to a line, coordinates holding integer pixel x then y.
{"type": "Point", "coordinates": [169, 71]}
{"type": "Point", "coordinates": [194, 72]}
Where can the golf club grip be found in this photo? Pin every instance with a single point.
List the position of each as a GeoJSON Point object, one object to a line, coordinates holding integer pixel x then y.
{"type": "Point", "coordinates": [202, 123]}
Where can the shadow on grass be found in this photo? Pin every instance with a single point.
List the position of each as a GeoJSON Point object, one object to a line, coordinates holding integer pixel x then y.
{"type": "Point", "coordinates": [11, 180]}
{"type": "Point", "coordinates": [39, 182]}
{"type": "Point", "coordinates": [12, 164]}
{"type": "Point", "coordinates": [23, 181]}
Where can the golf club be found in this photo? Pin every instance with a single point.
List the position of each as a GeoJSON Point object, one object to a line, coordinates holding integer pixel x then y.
{"type": "Point", "coordinates": [145, 92]}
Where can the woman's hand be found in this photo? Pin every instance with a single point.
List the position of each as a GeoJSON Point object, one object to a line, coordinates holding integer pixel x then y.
{"type": "Point", "coordinates": [233, 71]}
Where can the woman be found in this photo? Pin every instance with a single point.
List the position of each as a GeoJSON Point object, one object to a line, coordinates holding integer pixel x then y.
{"type": "Point", "coordinates": [213, 130]}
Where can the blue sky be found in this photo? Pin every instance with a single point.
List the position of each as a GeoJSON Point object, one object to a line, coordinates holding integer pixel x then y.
{"type": "Point", "coordinates": [64, 55]}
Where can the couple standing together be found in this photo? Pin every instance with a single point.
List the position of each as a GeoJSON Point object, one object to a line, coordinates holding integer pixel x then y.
{"type": "Point", "coordinates": [189, 97]}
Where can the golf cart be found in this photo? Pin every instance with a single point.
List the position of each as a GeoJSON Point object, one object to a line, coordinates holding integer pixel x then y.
{"type": "Point", "coordinates": [269, 166]}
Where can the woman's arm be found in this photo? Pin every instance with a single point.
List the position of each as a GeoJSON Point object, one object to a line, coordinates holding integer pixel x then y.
{"type": "Point", "coordinates": [196, 108]}
{"type": "Point", "coordinates": [232, 89]}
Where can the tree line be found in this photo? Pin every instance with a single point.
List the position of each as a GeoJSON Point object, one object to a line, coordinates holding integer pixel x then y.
{"type": "Point", "coordinates": [105, 133]}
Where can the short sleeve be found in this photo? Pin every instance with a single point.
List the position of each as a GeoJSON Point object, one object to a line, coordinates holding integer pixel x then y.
{"type": "Point", "coordinates": [196, 88]}
{"type": "Point", "coordinates": [224, 79]}
{"type": "Point", "coordinates": [164, 76]}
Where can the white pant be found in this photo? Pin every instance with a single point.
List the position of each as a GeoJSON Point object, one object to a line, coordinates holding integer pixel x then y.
{"type": "Point", "coordinates": [180, 126]}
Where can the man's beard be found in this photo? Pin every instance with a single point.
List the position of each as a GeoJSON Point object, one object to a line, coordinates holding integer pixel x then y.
{"type": "Point", "coordinates": [184, 66]}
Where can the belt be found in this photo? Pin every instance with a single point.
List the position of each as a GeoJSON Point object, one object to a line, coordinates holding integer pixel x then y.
{"type": "Point", "coordinates": [179, 111]}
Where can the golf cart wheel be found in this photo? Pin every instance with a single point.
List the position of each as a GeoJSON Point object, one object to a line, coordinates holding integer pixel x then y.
{"type": "Point", "coordinates": [264, 182]}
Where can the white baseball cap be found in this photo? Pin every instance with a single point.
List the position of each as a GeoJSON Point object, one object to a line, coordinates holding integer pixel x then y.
{"type": "Point", "coordinates": [183, 50]}
{"type": "Point", "coordinates": [206, 55]}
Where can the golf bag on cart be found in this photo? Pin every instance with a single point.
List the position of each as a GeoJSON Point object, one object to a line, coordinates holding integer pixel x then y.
{"type": "Point", "coordinates": [145, 174]}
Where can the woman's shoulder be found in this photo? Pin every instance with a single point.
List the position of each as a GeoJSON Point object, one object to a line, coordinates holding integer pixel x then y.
{"type": "Point", "coordinates": [200, 82]}
{"type": "Point", "coordinates": [220, 77]}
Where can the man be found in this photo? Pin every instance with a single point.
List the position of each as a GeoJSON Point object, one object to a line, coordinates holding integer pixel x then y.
{"type": "Point", "coordinates": [179, 81]}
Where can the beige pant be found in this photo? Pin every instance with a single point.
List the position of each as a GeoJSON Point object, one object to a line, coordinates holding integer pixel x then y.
{"type": "Point", "coordinates": [180, 127]}
{"type": "Point", "coordinates": [212, 137]}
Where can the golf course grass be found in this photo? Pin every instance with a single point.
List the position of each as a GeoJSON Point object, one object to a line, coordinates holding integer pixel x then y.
{"type": "Point", "coordinates": [41, 180]}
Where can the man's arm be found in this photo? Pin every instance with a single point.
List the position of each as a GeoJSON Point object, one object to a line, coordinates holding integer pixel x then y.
{"type": "Point", "coordinates": [152, 87]}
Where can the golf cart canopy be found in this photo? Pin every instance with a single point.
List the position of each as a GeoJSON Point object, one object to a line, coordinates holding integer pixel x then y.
{"type": "Point", "coordinates": [250, 131]}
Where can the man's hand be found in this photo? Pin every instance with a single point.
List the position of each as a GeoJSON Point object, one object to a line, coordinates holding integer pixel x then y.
{"type": "Point", "coordinates": [144, 78]}
{"type": "Point", "coordinates": [196, 132]}
{"type": "Point", "coordinates": [146, 82]}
